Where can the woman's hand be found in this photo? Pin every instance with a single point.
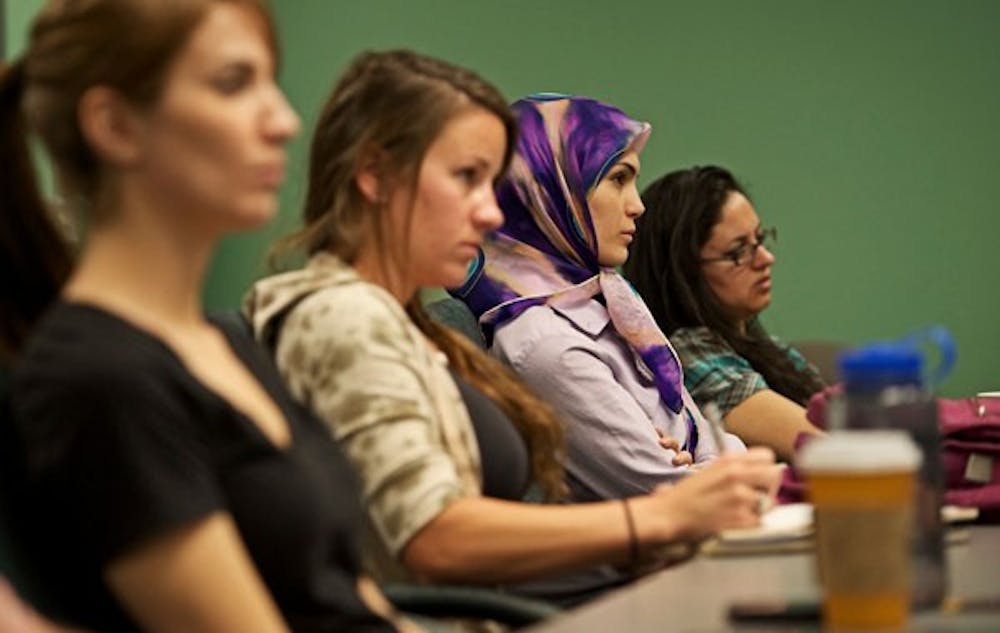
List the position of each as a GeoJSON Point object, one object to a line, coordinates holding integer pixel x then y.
{"type": "Point", "coordinates": [729, 493]}
{"type": "Point", "coordinates": [681, 458]}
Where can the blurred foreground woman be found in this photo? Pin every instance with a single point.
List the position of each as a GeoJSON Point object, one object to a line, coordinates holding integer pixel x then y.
{"type": "Point", "coordinates": [171, 482]}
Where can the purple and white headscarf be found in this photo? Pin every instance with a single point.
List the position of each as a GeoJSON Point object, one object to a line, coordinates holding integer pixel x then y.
{"type": "Point", "coordinates": [546, 251]}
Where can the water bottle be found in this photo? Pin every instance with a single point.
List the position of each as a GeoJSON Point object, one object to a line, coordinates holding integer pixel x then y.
{"type": "Point", "coordinates": [884, 387]}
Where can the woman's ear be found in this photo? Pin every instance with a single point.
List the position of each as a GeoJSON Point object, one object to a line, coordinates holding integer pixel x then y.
{"type": "Point", "coordinates": [109, 125]}
{"type": "Point", "coordinates": [369, 177]}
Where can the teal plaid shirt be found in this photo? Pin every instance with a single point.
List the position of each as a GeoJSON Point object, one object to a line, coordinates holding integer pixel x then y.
{"type": "Point", "coordinates": [713, 372]}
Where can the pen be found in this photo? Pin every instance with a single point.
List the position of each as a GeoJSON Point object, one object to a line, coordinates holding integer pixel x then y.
{"type": "Point", "coordinates": [712, 415]}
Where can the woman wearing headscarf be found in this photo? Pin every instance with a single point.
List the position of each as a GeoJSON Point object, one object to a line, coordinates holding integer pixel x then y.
{"type": "Point", "coordinates": [446, 442]}
{"type": "Point", "coordinates": [554, 308]}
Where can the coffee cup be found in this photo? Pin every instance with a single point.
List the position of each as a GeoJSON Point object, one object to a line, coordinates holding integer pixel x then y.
{"type": "Point", "coordinates": [861, 484]}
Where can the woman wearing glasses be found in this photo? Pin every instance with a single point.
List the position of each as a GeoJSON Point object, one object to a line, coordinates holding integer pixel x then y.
{"type": "Point", "coordinates": [702, 264]}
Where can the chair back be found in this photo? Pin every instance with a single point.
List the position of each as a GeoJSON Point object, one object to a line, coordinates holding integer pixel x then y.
{"type": "Point", "coordinates": [823, 355]}
{"type": "Point", "coordinates": [454, 314]}
{"type": "Point", "coordinates": [232, 320]}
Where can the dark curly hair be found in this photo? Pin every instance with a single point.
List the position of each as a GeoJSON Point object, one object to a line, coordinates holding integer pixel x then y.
{"type": "Point", "coordinates": [681, 209]}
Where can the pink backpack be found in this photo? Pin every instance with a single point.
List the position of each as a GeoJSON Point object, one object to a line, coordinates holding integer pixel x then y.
{"type": "Point", "coordinates": [970, 437]}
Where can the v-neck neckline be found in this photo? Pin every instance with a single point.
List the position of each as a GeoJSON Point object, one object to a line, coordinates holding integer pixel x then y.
{"type": "Point", "coordinates": [247, 360]}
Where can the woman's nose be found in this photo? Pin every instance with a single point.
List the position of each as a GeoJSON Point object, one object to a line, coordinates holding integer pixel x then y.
{"type": "Point", "coordinates": [488, 214]}
{"type": "Point", "coordinates": [634, 206]}
{"type": "Point", "coordinates": [763, 256]}
{"type": "Point", "coordinates": [282, 122]}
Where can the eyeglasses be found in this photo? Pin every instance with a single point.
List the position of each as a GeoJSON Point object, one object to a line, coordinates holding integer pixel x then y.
{"type": "Point", "coordinates": [744, 254]}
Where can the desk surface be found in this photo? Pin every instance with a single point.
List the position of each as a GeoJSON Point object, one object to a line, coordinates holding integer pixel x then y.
{"type": "Point", "coordinates": [695, 596]}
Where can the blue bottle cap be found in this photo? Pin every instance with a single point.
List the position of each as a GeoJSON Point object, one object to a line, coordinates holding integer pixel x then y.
{"type": "Point", "coordinates": [879, 365]}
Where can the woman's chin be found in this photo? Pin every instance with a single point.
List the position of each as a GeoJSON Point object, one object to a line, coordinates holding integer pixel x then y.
{"type": "Point", "coordinates": [253, 215]}
{"type": "Point", "coordinates": [452, 276]}
{"type": "Point", "coordinates": [762, 305]}
{"type": "Point", "coordinates": [613, 260]}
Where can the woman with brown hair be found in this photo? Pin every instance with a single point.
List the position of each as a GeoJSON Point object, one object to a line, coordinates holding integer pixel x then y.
{"type": "Point", "coordinates": [403, 163]}
{"type": "Point", "coordinates": [168, 480]}
{"type": "Point", "coordinates": [702, 262]}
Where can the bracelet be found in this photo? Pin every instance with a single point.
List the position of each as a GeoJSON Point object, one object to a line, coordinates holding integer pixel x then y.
{"type": "Point", "coordinates": [633, 537]}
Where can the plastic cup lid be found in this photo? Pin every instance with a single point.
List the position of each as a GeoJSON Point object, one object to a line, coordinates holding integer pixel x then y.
{"type": "Point", "coordinates": [866, 451]}
{"type": "Point", "coordinates": [880, 364]}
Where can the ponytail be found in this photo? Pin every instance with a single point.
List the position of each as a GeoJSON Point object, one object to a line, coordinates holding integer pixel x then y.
{"type": "Point", "coordinates": [35, 259]}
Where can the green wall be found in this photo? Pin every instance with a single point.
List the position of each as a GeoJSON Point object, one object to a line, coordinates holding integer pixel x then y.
{"type": "Point", "coordinates": [17, 15]}
{"type": "Point", "coordinates": [866, 131]}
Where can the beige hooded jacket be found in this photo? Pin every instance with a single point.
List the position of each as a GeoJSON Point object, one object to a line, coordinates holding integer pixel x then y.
{"type": "Point", "coordinates": [347, 349]}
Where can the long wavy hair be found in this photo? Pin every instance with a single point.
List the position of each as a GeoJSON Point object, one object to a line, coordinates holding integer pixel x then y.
{"type": "Point", "coordinates": [682, 207]}
{"type": "Point", "coordinates": [396, 103]}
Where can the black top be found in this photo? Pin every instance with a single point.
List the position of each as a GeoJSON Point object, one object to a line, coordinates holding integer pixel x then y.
{"type": "Point", "coordinates": [122, 444]}
{"type": "Point", "coordinates": [502, 451]}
